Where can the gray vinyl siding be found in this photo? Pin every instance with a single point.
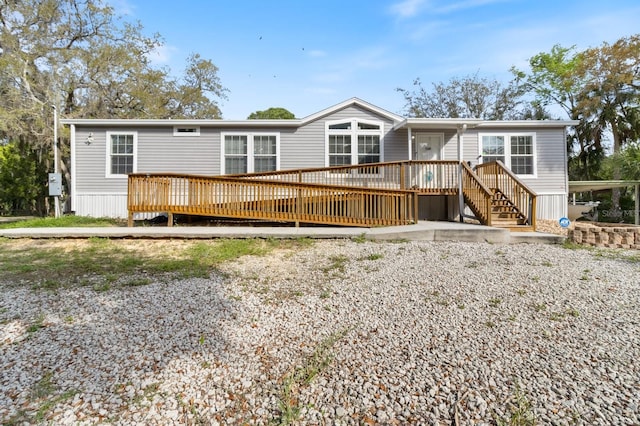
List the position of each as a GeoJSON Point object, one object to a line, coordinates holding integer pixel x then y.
{"type": "Point", "coordinates": [306, 147]}
{"type": "Point", "coordinates": [160, 151]}
{"type": "Point", "coordinates": [395, 144]}
{"type": "Point", "coordinates": [470, 148]}
{"type": "Point", "coordinates": [550, 156]}
{"type": "Point", "coordinates": [450, 150]}
{"type": "Point", "coordinates": [90, 164]}
{"type": "Point", "coordinates": [303, 147]}
{"type": "Point", "coordinates": [551, 164]}
{"type": "Point", "coordinates": [157, 151]}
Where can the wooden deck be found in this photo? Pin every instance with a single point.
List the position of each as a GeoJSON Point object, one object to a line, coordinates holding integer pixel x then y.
{"type": "Point", "coordinates": [380, 194]}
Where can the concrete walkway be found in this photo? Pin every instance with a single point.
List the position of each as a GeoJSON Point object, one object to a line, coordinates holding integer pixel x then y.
{"type": "Point", "coordinates": [422, 231]}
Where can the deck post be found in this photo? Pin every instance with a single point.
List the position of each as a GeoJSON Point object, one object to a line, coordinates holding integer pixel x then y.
{"type": "Point", "coordinates": [170, 219]}
{"type": "Point", "coordinates": [460, 193]}
{"type": "Point", "coordinates": [637, 221]}
{"type": "Point", "coordinates": [460, 132]}
{"type": "Point", "coordinates": [130, 219]}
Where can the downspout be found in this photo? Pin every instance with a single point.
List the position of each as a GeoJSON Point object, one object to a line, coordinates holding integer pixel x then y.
{"type": "Point", "coordinates": [565, 207]}
{"type": "Point", "coordinates": [72, 185]}
{"type": "Point", "coordinates": [460, 133]}
{"type": "Point", "coordinates": [409, 148]}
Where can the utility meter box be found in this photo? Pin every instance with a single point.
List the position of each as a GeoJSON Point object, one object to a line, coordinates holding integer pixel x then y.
{"type": "Point", "coordinates": [55, 184]}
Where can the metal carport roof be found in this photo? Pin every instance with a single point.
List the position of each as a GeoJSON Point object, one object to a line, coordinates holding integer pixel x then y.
{"type": "Point", "coordinates": [599, 185]}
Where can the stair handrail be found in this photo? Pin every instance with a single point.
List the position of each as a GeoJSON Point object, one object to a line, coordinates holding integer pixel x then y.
{"type": "Point", "coordinates": [498, 176]}
{"type": "Point", "coordinates": [478, 194]}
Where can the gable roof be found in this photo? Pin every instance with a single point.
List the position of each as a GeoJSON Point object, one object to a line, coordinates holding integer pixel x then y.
{"type": "Point", "coordinates": [353, 102]}
{"type": "Point", "coordinates": [399, 121]}
{"type": "Point", "coordinates": [296, 122]}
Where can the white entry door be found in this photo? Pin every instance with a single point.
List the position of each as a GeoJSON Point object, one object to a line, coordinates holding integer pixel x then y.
{"type": "Point", "coordinates": [429, 146]}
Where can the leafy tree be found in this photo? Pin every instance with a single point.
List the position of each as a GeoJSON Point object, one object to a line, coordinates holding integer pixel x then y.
{"type": "Point", "coordinates": [611, 93]}
{"type": "Point", "coordinates": [21, 182]}
{"type": "Point", "coordinates": [467, 97]}
{"type": "Point", "coordinates": [626, 162]}
{"type": "Point", "coordinates": [600, 87]}
{"type": "Point", "coordinates": [554, 80]}
{"type": "Point", "coordinates": [78, 56]}
{"type": "Point", "coordinates": [272, 114]}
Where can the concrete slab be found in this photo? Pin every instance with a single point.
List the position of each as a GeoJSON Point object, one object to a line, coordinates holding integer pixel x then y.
{"type": "Point", "coordinates": [422, 231]}
{"type": "Point", "coordinates": [536, 238]}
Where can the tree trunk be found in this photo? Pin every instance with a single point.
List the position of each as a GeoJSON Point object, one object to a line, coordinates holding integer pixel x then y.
{"type": "Point", "coordinates": [617, 143]}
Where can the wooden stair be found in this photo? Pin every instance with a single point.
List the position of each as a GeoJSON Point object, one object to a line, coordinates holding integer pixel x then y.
{"type": "Point", "coordinates": [505, 214]}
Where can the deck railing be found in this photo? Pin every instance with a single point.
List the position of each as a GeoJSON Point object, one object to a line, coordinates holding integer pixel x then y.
{"type": "Point", "coordinates": [496, 176]}
{"type": "Point", "coordinates": [438, 177]}
{"type": "Point", "coordinates": [269, 200]}
{"type": "Point", "coordinates": [378, 194]}
{"type": "Point", "coordinates": [476, 194]}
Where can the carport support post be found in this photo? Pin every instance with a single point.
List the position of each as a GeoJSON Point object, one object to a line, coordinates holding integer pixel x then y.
{"type": "Point", "coordinates": [461, 130]}
{"type": "Point", "coordinates": [637, 204]}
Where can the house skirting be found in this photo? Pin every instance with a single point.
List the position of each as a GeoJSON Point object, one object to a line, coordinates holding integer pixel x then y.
{"type": "Point", "coordinates": [551, 206]}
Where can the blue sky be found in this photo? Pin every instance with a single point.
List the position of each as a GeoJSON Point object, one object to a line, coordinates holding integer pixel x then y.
{"type": "Point", "coordinates": [306, 55]}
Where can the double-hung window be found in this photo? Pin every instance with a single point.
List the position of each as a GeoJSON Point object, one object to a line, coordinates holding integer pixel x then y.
{"type": "Point", "coordinates": [249, 152]}
{"type": "Point", "coordinates": [516, 150]}
{"type": "Point", "coordinates": [351, 142]}
{"type": "Point", "coordinates": [121, 153]}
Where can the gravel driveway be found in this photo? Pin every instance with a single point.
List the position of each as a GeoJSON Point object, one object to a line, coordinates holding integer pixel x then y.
{"type": "Point", "coordinates": [339, 332]}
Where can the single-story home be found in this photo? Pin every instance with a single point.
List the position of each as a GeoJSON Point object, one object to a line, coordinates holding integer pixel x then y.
{"type": "Point", "coordinates": [105, 151]}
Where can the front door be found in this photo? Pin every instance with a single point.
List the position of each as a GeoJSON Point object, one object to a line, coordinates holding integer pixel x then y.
{"type": "Point", "coordinates": [429, 146]}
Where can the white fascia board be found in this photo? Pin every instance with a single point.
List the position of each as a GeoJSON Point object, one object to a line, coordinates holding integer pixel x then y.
{"type": "Point", "coordinates": [454, 123]}
{"type": "Point", "coordinates": [353, 101]}
{"type": "Point", "coordinates": [183, 122]}
{"type": "Point", "coordinates": [529, 123]}
{"type": "Point", "coordinates": [437, 123]}
{"type": "Point", "coordinates": [600, 185]}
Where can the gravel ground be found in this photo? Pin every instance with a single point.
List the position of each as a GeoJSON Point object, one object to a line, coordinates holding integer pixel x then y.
{"type": "Point", "coordinates": [340, 332]}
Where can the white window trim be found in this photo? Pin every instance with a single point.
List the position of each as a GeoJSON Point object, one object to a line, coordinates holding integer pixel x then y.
{"type": "Point", "coordinates": [353, 132]}
{"type": "Point", "coordinates": [250, 147]}
{"type": "Point", "coordinates": [108, 173]}
{"type": "Point", "coordinates": [507, 149]}
{"type": "Point", "coordinates": [177, 132]}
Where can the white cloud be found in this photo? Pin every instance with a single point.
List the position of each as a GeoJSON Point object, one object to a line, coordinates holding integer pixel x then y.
{"type": "Point", "coordinates": [411, 8]}
{"type": "Point", "coordinates": [353, 63]}
{"type": "Point", "coordinates": [406, 8]}
{"type": "Point", "coordinates": [162, 55]}
{"type": "Point", "coordinates": [317, 53]}
{"type": "Point", "coordinates": [465, 4]}
{"type": "Point", "coordinates": [123, 7]}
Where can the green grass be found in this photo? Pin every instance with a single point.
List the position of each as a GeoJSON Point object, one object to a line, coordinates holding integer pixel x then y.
{"type": "Point", "coordinates": [61, 222]}
{"type": "Point", "coordinates": [105, 264]}
{"type": "Point", "coordinates": [303, 375]}
{"type": "Point", "coordinates": [606, 253]}
{"type": "Point", "coordinates": [520, 411]}
{"type": "Point", "coordinates": [495, 302]}
{"type": "Point", "coordinates": [43, 396]}
{"type": "Point", "coordinates": [37, 324]}
{"type": "Point", "coordinates": [337, 263]}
